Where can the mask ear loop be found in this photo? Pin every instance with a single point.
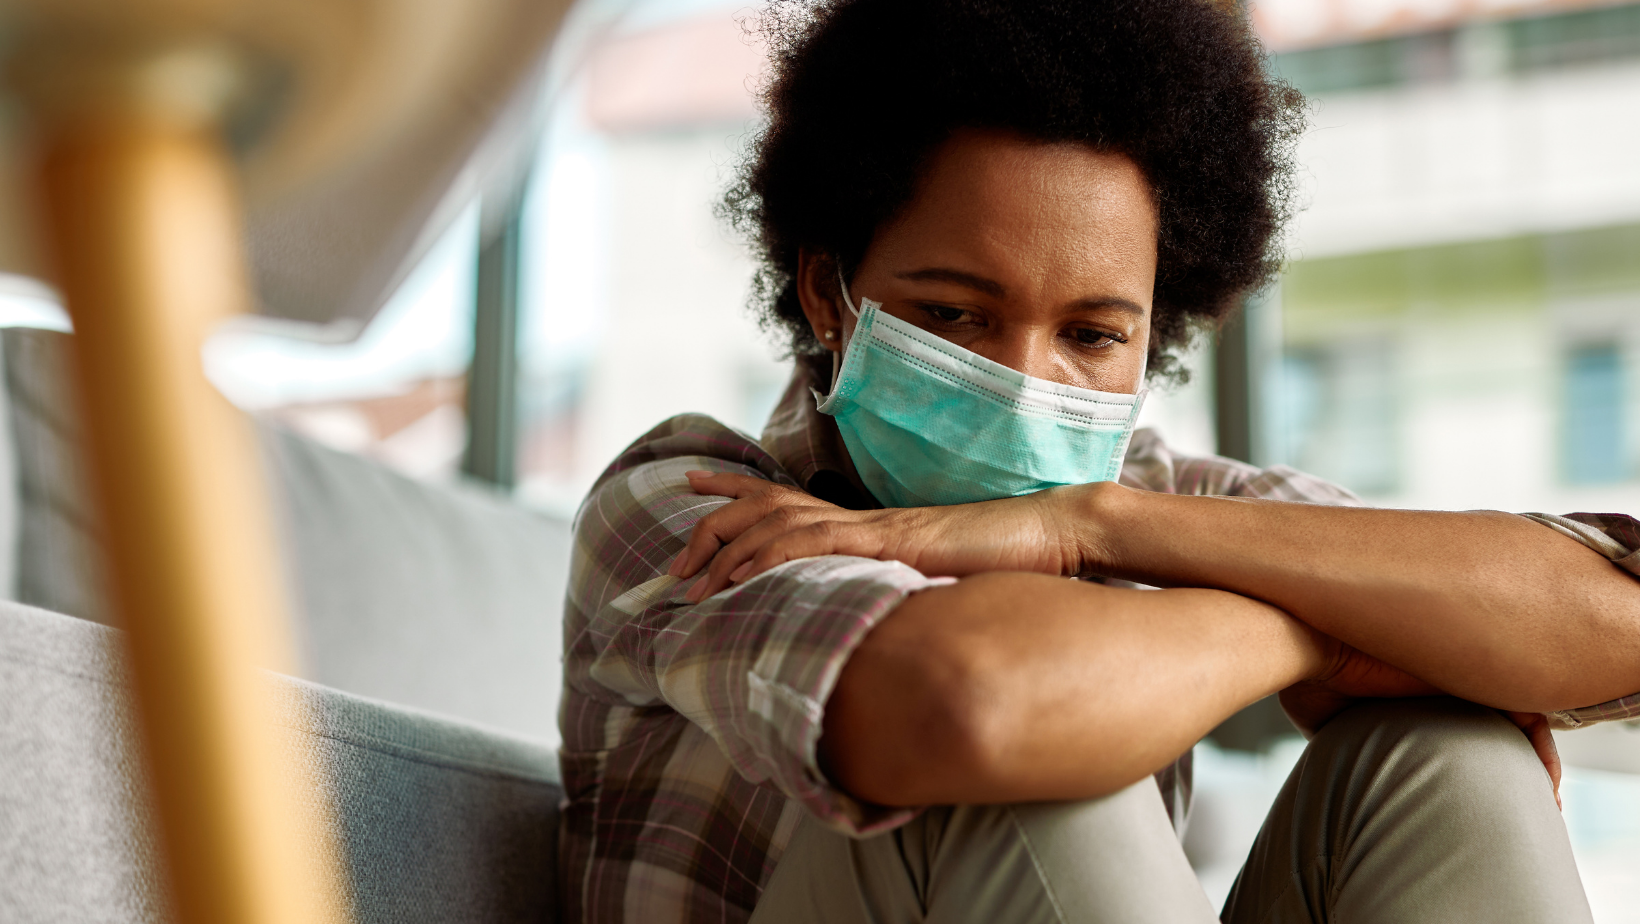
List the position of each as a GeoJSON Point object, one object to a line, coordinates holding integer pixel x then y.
{"type": "Point", "coordinates": [837, 354]}
{"type": "Point", "coordinates": [842, 285]}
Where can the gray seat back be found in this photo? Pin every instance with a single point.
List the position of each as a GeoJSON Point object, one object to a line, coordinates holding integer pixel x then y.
{"type": "Point", "coordinates": [442, 597]}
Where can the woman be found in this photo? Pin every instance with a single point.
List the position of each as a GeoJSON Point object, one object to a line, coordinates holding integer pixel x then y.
{"type": "Point", "coordinates": [837, 674]}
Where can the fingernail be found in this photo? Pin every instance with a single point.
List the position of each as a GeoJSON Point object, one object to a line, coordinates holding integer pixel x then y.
{"type": "Point", "coordinates": [740, 572]}
{"type": "Point", "coordinates": [676, 569]}
{"type": "Point", "coordinates": [697, 473]}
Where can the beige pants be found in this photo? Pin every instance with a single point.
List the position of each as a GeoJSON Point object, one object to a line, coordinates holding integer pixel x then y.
{"type": "Point", "coordinates": [1399, 812]}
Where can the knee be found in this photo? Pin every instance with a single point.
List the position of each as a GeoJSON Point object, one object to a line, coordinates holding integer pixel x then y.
{"type": "Point", "coordinates": [1434, 715]}
{"type": "Point", "coordinates": [1437, 735]}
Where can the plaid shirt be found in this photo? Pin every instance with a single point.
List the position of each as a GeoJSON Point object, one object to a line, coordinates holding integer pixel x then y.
{"type": "Point", "coordinates": [691, 731]}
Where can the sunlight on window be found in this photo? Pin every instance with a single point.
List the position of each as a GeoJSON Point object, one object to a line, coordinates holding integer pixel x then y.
{"type": "Point", "coordinates": [395, 392]}
{"type": "Point", "coordinates": [1593, 415]}
{"type": "Point", "coordinates": [26, 302]}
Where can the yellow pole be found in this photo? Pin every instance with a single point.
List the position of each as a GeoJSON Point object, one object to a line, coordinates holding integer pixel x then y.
{"type": "Point", "coordinates": [145, 223]}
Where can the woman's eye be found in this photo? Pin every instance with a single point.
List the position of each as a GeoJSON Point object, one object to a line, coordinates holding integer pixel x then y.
{"type": "Point", "coordinates": [1097, 338]}
{"type": "Point", "coordinates": [946, 313]}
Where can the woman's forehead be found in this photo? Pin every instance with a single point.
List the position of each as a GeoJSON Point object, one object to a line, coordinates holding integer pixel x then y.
{"type": "Point", "coordinates": [1023, 214]}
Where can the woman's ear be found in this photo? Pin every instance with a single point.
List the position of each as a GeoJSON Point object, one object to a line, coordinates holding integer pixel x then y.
{"type": "Point", "coordinates": [818, 293]}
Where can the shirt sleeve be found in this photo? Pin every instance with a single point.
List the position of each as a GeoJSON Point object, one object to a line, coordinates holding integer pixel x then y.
{"type": "Point", "coordinates": [1616, 536]}
{"type": "Point", "coordinates": [1152, 465]}
{"type": "Point", "coordinates": [751, 666]}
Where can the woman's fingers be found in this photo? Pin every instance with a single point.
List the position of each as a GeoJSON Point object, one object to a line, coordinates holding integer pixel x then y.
{"type": "Point", "coordinates": [755, 499]}
{"type": "Point", "coordinates": [768, 525]}
{"type": "Point", "coordinates": [739, 550]}
{"type": "Point", "coordinates": [1536, 727]}
{"type": "Point", "coordinates": [727, 484]}
{"type": "Point", "coordinates": [824, 536]}
{"type": "Point", "coordinates": [713, 530]}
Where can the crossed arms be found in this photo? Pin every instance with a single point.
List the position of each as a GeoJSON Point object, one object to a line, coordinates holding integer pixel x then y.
{"type": "Point", "coordinates": [1014, 684]}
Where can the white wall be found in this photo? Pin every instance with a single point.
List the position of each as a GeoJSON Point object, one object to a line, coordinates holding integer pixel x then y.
{"type": "Point", "coordinates": [1470, 160]}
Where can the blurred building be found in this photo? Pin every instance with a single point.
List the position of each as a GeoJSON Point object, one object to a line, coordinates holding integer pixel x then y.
{"type": "Point", "coordinates": [1460, 323]}
{"type": "Point", "coordinates": [638, 161]}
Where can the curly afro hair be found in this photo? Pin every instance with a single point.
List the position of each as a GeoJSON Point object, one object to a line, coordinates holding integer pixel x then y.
{"type": "Point", "coordinates": [864, 91]}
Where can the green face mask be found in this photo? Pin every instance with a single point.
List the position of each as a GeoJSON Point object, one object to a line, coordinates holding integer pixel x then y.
{"type": "Point", "coordinates": [929, 423]}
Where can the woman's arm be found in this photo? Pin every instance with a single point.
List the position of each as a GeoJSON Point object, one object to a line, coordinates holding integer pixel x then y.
{"type": "Point", "coordinates": [1009, 687]}
{"type": "Point", "coordinates": [1488, 606]}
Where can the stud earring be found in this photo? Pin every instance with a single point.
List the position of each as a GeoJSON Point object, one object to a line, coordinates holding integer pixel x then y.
{"type": "Point", "coordinates": [831, 335]}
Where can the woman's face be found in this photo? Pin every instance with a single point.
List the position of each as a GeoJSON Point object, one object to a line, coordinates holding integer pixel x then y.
{"type": "Point", "coordinates": [1039, 257]}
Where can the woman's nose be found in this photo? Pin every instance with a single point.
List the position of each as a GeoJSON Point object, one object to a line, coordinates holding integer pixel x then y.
{"type": "Point", "coordinates": [1022, 350]}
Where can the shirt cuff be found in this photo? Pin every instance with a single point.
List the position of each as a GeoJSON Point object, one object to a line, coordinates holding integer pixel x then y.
{"type": "Point", "coordinates": [787, 695]}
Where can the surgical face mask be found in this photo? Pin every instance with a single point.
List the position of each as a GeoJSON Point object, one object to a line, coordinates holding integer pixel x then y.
{"type": "Point", "coordinates": [929, 423]}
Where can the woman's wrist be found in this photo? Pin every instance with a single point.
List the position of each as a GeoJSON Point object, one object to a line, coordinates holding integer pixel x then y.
{"type": "Point", "coordinates": [1097, 520]}
{"type": "Point", "coordinates": [1111, 524]}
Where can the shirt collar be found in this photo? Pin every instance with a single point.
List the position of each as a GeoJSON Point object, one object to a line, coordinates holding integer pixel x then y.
{"type": "Point", "coordinates": [807, 444]}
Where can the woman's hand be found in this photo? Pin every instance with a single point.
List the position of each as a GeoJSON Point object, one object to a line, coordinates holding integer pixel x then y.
{"type": "Point", "coordinates": [1347, 677]}
{"type": "Point", "coordinates": [769, 524]}
{"type": "Point", "coordinates": [1536, 727]}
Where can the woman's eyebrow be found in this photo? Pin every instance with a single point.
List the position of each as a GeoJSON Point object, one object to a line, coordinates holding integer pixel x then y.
{"type": "Point", "coordinates": [956, 277]}
{"type": "Point", "coordinates": [997, 290]}
{"type": "Point", "coordinates": [1112, 301]}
